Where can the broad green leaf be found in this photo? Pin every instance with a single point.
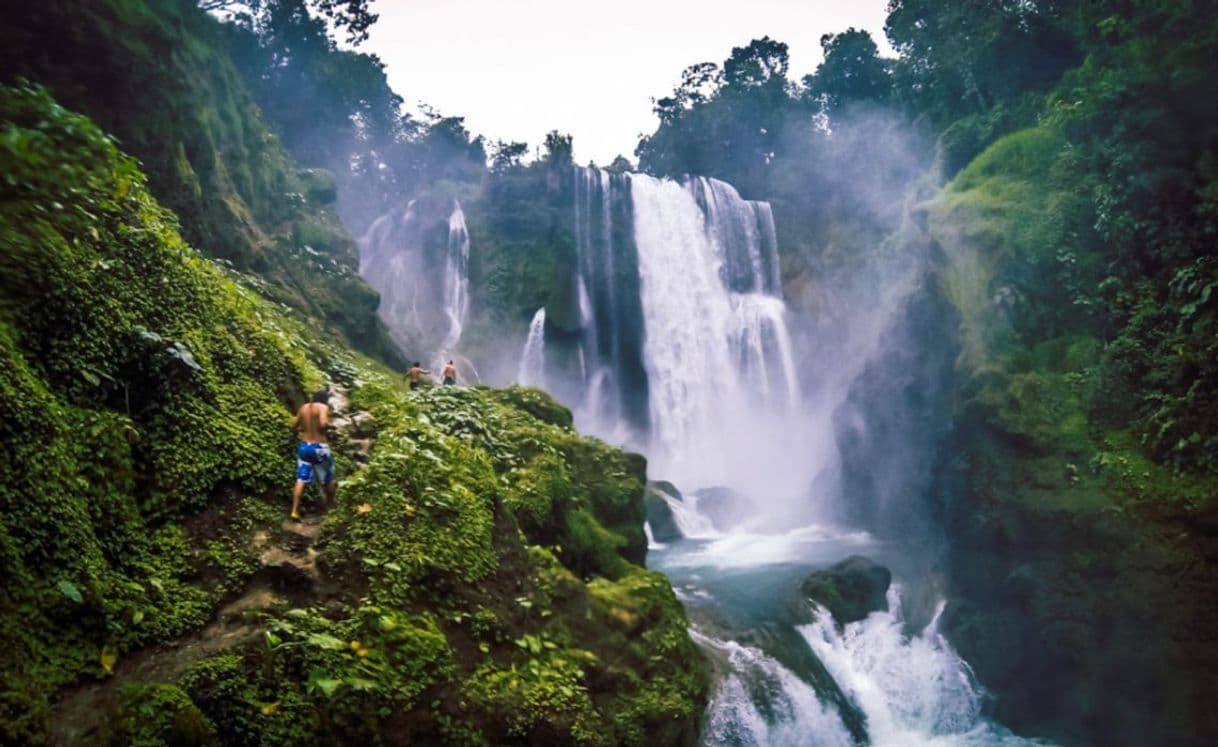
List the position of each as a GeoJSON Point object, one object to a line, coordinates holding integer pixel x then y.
{"type": "Point", "coordinates": [324, 640]}
{"type": "Point", "coordinates": [69, 590]}
{"type": "Point", "coordinates": [320, 681]}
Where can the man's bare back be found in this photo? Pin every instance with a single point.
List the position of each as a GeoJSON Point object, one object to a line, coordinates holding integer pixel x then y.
{"type": "Point", "coordinates": [311, 421]}
{"type": "Point", "coordinates": [313, 459]}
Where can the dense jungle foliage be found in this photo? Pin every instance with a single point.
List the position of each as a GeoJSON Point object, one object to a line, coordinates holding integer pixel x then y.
{"type": "Point", "coordinates": [478, 580]}
{"type": "Point", "coordinates": [147, 457]}
{"type": "Point", "coordinates": [157, 75]}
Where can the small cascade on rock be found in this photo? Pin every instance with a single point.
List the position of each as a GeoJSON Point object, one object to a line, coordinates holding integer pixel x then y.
{"type": "Point", "coordinates": [913, 689]}
{"type": "Point", "coordinates": [417, 258]}
{"type": "Point", "coordinates": [790, 715]}
{"type": "Point", "coordinates": [532, 370]}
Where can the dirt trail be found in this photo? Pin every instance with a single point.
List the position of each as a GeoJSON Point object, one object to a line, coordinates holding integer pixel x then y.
{"type": "Point", "coordinates": [287, 574]}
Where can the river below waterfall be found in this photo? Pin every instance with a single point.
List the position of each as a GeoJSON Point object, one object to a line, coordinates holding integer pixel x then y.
{"type": "Point", "coordinates": [909, 686]}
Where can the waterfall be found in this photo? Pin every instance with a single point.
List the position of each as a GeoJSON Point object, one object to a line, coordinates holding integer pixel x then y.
{"type": "Point", "coordinates": [684, 352]}
{"type": "Point", "coordinates": [388, 261]}
{"type": "Point", "coordinates": [532, 370]}
{"type": "Point", "coordinates": [724, 389]}
{"type": "Point", "coordinates": [417, 258]}
{"type": "Point", "coordinates": [684, 348]}
{"type": "Point", "coordinates": [456, 278]}
{"type": "Point", "coordinates": [612, 377]}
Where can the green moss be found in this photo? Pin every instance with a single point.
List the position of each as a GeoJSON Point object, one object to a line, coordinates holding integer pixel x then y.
{"type": "Point", "coordinates": [151, 384]}
{"type": "Point", "coordinates": [534, 488]}
{"type": "Point", "coordinates": [161, 716]}
{"type": "Point", "coordinates": [537, 403]}
{"type": "Point", "coordinates": [421, 509]}
{"type": "Point", "coordinates": [645, 618]}
{"type": "Point", "coordinates": [147, 441]}
{"type": "Point", "coordinates": [1015, 225]}
{"type": "Point", "coordinates": [544, 698]}
{"type": "Point", "coordinates": [202, 141]}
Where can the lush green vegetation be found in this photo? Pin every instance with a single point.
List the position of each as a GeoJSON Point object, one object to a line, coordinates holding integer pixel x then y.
{"type": "Point", "coordinates": [202, 141]}
{"type": "Point", "coordinates": [147, 449]}
{"type": "Point", "coordinates": [147, 388]}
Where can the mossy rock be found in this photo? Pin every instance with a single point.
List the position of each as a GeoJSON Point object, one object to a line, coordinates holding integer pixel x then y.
{"type": "Point", "coordinates": [850, 590]}
{"type": "Point", "coordinates": [537, 403]}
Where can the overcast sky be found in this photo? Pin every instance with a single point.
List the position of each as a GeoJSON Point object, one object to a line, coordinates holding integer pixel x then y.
{"type": "Point", "coordinates": [516, 69]}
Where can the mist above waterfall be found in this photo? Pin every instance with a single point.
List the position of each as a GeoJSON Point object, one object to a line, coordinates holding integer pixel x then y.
{"type": "Point", "coordinates": [417, 258]}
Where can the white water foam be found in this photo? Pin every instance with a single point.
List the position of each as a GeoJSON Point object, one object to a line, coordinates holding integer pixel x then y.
{"type": "Point", "coordinates": [914, 690]}
{"type": "Point", "coordinates": [760, 703]}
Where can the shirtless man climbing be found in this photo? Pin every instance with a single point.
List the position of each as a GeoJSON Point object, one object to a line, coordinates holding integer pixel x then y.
{"type": "Point", "coordinates": [313, 455]}
{"type": "Point", "coordinates": [450, 374]}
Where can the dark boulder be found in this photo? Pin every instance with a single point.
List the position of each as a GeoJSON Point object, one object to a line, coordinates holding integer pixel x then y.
{"type": "Point", "coordinates": [850, 590]}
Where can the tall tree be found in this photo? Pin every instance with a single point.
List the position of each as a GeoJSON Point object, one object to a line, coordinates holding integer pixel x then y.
{"type": "Point", "coordinates": [965, 58]}
{"type": "Point", "coordinates": [353, 15]}
{"type": "Point", "coordinates": [852, 73]}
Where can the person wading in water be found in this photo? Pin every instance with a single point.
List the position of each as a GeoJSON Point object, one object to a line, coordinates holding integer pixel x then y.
{"type": "Point", "coordinates": [313, 457]}
{"type": "Point", "coordinates": [450, 374]}
{"type": "Point", "coordinates": [415, 373]}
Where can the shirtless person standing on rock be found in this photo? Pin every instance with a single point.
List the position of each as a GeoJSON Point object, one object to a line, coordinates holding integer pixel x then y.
{"type": "Point", "coordinates": [313, 455]}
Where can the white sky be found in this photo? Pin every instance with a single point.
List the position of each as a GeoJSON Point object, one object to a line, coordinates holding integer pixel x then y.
{"type": "Point", "coordinates": [516, 69]}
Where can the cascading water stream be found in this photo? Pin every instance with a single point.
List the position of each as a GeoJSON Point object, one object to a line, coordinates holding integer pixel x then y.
{"type": "Point", "coordinates": [456, 279]}
{"type": "Point", "coordinates": [387, 262]}
{"type": "Point", "coordinates": [683, 336]}
{"type": "Point", "coordinates": [423, 283]}
{"type": "Point", "coordinates": [533, 360]}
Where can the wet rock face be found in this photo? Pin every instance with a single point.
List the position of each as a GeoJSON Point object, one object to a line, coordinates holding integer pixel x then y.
{"type": "Point", "coordinates": [850, 590]}
{"type": "Point", "coordinates": [659, 514]}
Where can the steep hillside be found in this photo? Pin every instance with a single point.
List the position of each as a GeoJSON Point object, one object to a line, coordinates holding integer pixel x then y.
{"type": "Point", "coordinates": [156, 74]}
{"type": "Point", "coordinates": [476, 582]}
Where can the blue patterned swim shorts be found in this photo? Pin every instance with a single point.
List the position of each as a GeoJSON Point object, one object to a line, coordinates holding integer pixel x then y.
{"type": "Point", "coordinates": [313, 458]}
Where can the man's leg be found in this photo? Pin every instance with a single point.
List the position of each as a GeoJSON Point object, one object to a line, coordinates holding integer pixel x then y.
{"type": "Point", "coordinates": [329, 485]}
{"type": "Point", "coordinates": [296, 493]}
